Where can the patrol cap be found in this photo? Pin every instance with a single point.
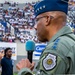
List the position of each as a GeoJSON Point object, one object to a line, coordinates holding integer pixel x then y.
{"type": "Point", "coordinates": [50, 5]}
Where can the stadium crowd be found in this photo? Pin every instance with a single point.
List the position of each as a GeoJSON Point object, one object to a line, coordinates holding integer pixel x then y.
{"type": "Point", "coordinates": [17, 23]}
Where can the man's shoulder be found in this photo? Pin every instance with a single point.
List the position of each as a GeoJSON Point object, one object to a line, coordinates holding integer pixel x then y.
{"type": "Point", "coordinates": [62, 42]}
{"type": "Point", "coordinates": [68, 39]}
{"type": "Point", "coordinates": [4, 58]}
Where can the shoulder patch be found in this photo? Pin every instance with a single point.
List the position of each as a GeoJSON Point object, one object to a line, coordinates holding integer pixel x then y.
{"type": "Point", "coordinates": [49, 62]}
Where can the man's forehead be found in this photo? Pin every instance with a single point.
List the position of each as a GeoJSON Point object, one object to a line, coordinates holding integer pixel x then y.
{"type": "Point", "coordinates": [43, 14]}
{"type": "Point", "coordinates": [9, 50]}
{"type": "Point", "coordinates": [39, 15]}
{"type": "Point", "coordinates": [46, 14]}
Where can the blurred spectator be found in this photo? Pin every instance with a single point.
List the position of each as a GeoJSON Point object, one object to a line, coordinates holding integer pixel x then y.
{"type": "Point", "coordinates": [7, 63]}
{"type": "Point", "coordinates": [17, 20]}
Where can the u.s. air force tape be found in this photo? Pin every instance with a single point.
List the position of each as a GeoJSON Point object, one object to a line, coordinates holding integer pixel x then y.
{"type": "Point", "coordinates": [49, 62]}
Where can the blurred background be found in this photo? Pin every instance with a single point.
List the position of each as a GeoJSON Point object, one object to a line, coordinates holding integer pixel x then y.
{"type": "Point", "coordinates": [17, 20]}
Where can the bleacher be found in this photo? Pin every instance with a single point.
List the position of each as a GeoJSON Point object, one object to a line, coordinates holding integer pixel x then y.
{"type": "Point", "coordinates": [18, 20]}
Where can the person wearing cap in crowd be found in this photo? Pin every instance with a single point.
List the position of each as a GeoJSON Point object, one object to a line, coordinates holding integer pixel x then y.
{"type": "Point", "coordinates": [7, 63]}
{"type": "Point", "coordinates": [59, 55]}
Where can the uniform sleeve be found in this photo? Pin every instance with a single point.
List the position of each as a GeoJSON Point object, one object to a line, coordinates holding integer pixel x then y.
{"type": "Point", "coordinates": [52, 63]}
{"type": "Point", "coordinates": [25, 71]}
{"type": "Point", "coordinates": [49, 64]}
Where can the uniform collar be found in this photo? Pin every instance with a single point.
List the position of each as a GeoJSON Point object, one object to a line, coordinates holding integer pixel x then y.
{"type": "Point", "coordinates": [63, 31]}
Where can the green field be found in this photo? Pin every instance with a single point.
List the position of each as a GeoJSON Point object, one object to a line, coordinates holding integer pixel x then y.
{"type": "Point", "coordinates": [15, 73]}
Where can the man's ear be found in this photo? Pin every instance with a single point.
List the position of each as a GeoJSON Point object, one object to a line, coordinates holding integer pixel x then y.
{"type": "Point", "coordinates": [48, 21]}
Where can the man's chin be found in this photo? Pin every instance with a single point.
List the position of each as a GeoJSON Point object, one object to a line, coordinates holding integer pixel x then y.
{"type": "Point", "coordinates": [9, 56]}
{"type": "Point", "coordinates": [43, 41]}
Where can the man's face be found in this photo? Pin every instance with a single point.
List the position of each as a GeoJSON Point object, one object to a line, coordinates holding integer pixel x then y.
{"type": "Point", "coordinates": [9, 53]}
{"type": "Point", "coordinates": [41, 28]}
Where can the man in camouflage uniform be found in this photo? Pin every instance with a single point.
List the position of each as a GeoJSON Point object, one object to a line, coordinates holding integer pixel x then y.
{"type": "Point", "coordinates": [59, 55]}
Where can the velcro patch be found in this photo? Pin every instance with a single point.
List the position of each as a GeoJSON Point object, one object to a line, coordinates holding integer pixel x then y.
{"type": "Point", "coordinates": [49, 62]}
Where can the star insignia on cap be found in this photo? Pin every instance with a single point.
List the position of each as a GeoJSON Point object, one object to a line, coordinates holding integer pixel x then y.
{"type": "Point", "coordinates": [36, 10]}
{"type": "Point", "coordinates": [40, 8]}
{"type": "Point", "coordinates": [44, 6]}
